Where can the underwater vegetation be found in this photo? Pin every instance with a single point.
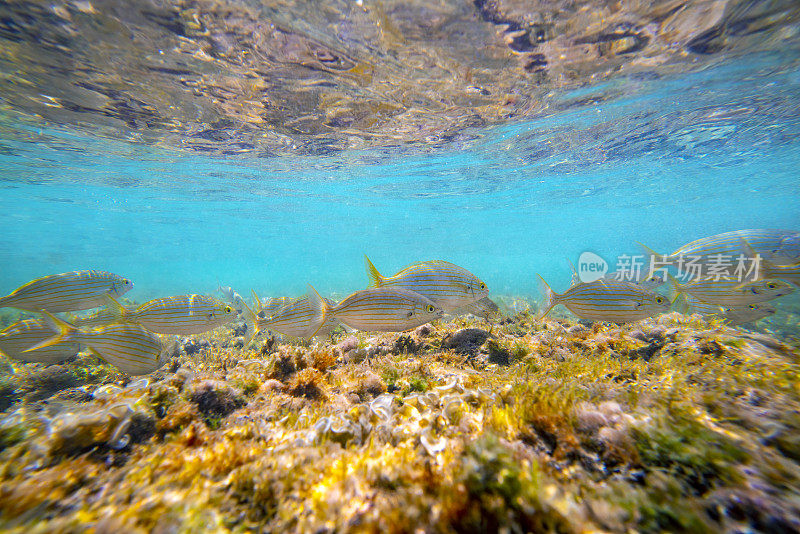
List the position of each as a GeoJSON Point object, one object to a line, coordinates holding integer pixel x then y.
{"type": "Point", "coordinates": [675, 423]}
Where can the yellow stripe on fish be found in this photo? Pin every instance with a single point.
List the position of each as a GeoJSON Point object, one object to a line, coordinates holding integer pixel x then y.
{"type": "Point", "coordinates": [23, 335]}
{"type": "Point", "coordinates": [447, 285]}
{"type": "Point", "coordinates": [130, 347]}
{"type": "Point", "coordinates": [607, 300]}
{"type": "Point", "coordinates": [730, 291]}
{"type": "Point", "coordinates": [183, 314]}
{"type": "Point", "coordinates": [385, 309]}
{"type": "Point", "coordinates": [72, 291]}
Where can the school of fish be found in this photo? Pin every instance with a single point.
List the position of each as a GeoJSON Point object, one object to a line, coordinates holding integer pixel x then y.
{"type": "Point", "coordinates": [135, 338]}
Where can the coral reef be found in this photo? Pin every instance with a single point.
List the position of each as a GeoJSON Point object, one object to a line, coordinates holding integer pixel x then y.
{"type": "Point", "coordinates": [671, 424]}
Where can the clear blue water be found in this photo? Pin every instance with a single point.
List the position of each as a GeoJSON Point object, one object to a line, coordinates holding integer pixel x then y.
{"type": "Point", "coordinates": [662, 160]}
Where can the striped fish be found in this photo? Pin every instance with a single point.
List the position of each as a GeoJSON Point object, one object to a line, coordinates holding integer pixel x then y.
{"type": "Point", "coordinates": [301, 318]}
{"type": "Point", "coordinates": [272, 306]}
{"type": "Point", "coordinates": [447, 285]}
{"type": "Point", "coordinates": [734, 315]}
{"type": "Point", "coordinates": [731, 291]}
{"type": "Point", "coordinates": [485, 308]}
{"type": "Point", "coordinates": [130, 347]}
{"type": "Point", "coordinates": [607, 300]}
{"type": "Point", "coordinates": [184, 314]}
{"type": "Point", "coordinates": [384, 309]}
{"type": "Point", "coordinates": [777, 246]}
{"type": "Point", "coordinates": [23, 335]}
{"type": "Point", "coordinates": [75, 290]}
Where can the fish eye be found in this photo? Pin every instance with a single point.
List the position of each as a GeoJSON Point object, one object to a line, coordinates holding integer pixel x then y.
{"type": "Point", "coordinates": [227, 309]}
{"type": "Point", "coordinates": [772, 285]}
{"type": "Point", "coordinates": [482, 286]}
{"type": "Point", "coordinates": [753, 307]}
{"type": "Point", "coordinates": [659, 300]}
{"type": "Point", "coordinates": [429, 308]}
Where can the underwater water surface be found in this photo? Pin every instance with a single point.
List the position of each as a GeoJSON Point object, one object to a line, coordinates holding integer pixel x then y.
{"type": "Point", "coordinates": [657, 160]}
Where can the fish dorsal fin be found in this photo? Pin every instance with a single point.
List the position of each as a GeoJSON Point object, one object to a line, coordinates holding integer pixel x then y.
{"type": "Point", "coordinates": [575, 278]}
{"type": "Point", "coordinates": [375, 277]}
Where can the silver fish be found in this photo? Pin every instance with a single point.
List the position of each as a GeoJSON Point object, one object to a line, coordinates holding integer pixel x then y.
{"type": "Point", "coordinates": [384, 309]}
{"type": "Point", "coordinates": [130, 347]}
{"type": "Point", "coordinates": [75, 290]}
{"type": "Point", "coordinates": [607, 300]}
{"type": "Point", "coordinates": [485, 308]}
{"type": "Point", "coordinates": [731, 291]}
{"type": "Point", "coordinates": [22, 335]}
{"type": "Point", "coordinates": [734, 316]}
{"type": "Point", "coordinates": [447, 285]}
{"type": "Point", "coordinates": [777, 246]}
{"type": "Point", "coordinates": [183, 314]}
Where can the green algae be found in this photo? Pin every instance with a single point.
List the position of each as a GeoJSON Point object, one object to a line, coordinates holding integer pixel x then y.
{"type": "Point", "coordinates": [579, 430]}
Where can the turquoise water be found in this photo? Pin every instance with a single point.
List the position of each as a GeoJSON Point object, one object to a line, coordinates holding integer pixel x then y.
{"type": "Point", "coordinates": [657, 159]}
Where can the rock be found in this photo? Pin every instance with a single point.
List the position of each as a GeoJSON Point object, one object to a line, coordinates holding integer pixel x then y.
{"type": "Point", "coordinates": [638, 334]}
{"type": "Point", "coordinates": [466, 341]}
{"type": "Point", "coordinates": [576, 328]}
{"type": "Point", "coordinates": [272, 385]}
{"type": "Point", "coordinates": [239, 330]}
{"type": "Point", "coordinates": [424, 330]}
{"type": "Point", "coordinates": [370, 385]}
{"type": "Point", "coordinates": [216, 399]}
{"type": "Point", "coordinates": [590, 420]}
{"type": "Point", "coordinates": [646, 352]}
{"type": "Point", "coordinates": [193, 346]}
{"type": "Point", "coordinates": [656, 333]}
{"type": "Point", "coordinates": [50, 381]}
{"type": "Point", "coordinates": [406, 345]}
{"type": "Point", "coordinates": [761, 512]}
{"type": "Point", "coordinates": [346, 345]}
{"type": "Point", "coordinates": [498, 354]}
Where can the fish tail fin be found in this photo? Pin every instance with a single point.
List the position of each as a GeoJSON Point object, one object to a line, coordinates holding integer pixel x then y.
{"type": "Point", "coordinates": [550, 296]}
{"type": "Point", "coordinates": [251, 320]}
{"type": "Point", "coordinates": [63, 330]}
{"type": "Point", "coordinates": [114, 306]}
{"type": "Point", "coordinates": [681, 304]}
{"type": "Point", "coordinates": [320, 308]}
{"type": "Point", "coordinates": [375, 277]}
{"type": "Point", "coordinates": [675, 288]}
{"type": "Point", "coordinates": [650, 257]}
